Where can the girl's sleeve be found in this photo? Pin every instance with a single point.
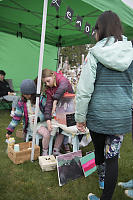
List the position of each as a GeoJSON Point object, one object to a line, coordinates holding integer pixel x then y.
{"type": "Point", "coordinates": [62, 88]}
{"type": "Point", "coordinates": [85, 88]}
{"type": "Point", "coordinates": [16, 119]}
{"type": "Point", "coordinates": [48, 107]}
{"type": "Point", "coordinates": [42, 104]}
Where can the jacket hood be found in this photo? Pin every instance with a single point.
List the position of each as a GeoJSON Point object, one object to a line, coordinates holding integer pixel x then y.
{"type": "Point", "coordinates": [113, 55]}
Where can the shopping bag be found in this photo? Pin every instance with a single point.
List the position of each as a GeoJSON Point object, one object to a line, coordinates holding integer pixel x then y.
{"type": "Point", "coordinates": [88, 164]}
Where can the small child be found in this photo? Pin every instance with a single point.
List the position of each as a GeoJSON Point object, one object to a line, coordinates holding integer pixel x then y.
{"type": "Point", "coordinates": [26, 107]}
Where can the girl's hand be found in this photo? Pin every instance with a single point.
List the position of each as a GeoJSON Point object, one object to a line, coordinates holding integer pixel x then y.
{"type": "Point", "coordinates": [49, 125]}
{"type": "Point", "coordinates": [11, 93]}
{"type": "Point", "coordinates": [54, 106]}
{"type": "Point", "coordinates": [8, 136]}
{"type": "Point", "coordinates": [81, 126]}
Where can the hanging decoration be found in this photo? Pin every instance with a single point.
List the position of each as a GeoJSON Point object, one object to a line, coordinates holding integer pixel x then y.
{"type": "Point", "coordinates": [19, 32]}
{"type": "Point", "coordinates": [79, 21]}
{"type": "Point", "coordinates": [69, 14]}
{"type": "Point", "coordinates": [56, 4]}
{"type": "Point", "coordinates": [87, 28]}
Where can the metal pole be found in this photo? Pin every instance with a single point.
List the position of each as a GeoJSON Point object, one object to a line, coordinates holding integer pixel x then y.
{"type": "Point", "coordinates": [39, 74]}
{"type": "Point", "coordinates": [58, 55]}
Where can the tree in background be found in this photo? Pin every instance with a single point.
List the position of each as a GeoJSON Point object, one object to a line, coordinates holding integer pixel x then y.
{"type": "Point", "coordinates": [73, 54]}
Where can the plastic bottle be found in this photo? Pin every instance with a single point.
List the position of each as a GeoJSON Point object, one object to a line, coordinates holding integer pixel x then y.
{"type": "Point", "coordinates": [10, 141]}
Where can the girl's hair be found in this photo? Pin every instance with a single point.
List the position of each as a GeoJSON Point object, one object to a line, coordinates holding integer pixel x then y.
{"type": "Point", "coordinates": [32, 99]}
{"type": "Point", "coordinates": [35, 80]}
{"type": "Point", "coordinates": [109, 24]}
{"type": "Point", "coordinates": [47, 73]}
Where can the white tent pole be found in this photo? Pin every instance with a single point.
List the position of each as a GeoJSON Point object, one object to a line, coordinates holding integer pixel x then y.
{"type": "Point", "coordinates": [39, 74]}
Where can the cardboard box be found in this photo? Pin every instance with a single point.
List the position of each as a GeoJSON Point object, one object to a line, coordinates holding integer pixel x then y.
{"type": "Point", "coordinates": [24, 154]}
{"type": "Point", "coordinates": [47, 163]}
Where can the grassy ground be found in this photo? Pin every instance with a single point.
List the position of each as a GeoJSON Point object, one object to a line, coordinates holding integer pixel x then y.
{"type": "Point", "coordinates": [27, 181]}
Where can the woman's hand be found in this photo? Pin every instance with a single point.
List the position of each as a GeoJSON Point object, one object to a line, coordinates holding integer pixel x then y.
{"type": "Point", "coordinates": [49, 125]}
{"type": "Point", "coordinates": [54, 106]}
{"type": "Point", "coordinates": [81, 126]}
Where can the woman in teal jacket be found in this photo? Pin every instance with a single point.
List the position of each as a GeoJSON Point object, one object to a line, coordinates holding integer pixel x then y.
{"type": "Point", "coordinates": [104, 98]}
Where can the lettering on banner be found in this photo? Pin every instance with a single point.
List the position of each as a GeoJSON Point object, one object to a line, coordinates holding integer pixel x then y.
{"type": "Point", "coordinates": [87, 28]}
{"type": "Point", "coordinates": [79, 21]}
{"type": "Point", "coordinates": [56, 4]}
{"type": "Point", "coordinates": [69, 14]}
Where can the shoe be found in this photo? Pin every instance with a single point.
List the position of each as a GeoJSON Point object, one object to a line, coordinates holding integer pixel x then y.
{"type": "Point", "coordinates": [92, 197]}
{"type": "Point", "coordinates": [56, 152]}
{"type": "Point", "coordinates": [101, 185]}
{"type": "Point", "coordinates": [45, 152]}
{"type": "Point", "coordinates": [129, 193]}
{"type": "Point", "coordinates": [126, 185]}
{"type": "Point", "coordinates": [12, 113]}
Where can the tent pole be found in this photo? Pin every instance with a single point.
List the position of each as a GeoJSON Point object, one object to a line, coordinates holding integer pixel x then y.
{"type": "Point", "coordinates": [39, 74]}
{"type": "Point", "coordinates": [58, 55]}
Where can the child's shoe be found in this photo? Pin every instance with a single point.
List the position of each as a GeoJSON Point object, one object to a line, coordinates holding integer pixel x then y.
{"type": "Point", "coordinates": [101, 185]}
{"type": "Point", "coordinates": [56, 152]}
{"type": "Point", "coordinates": [12, 113]}
{"type": "Point", "coordinates": [129, 193]}
{"type": "Point", "coordinates": [126, 185]}
{"type": "Point", "coordinates": [44, 152]}
{"type": "Point", "coordinates": [92, 197]}
{"type": "Point", "coordinates": [101, 174]}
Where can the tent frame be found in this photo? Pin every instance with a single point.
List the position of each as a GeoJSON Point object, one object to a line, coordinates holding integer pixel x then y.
{"type": "Point", "coordinates": [39, 74]}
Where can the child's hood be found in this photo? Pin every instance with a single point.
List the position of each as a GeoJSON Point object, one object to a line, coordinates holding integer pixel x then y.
{"type": "Point", "coordinates": [115, 55]}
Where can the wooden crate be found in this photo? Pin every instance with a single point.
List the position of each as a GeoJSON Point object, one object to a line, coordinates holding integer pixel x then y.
{"type": "Point", "coordinates": [24, 154]}
{"type": "Point", "coordinates": [47, 163]}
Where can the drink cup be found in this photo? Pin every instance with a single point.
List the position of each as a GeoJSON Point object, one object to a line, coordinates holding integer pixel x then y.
{"type": "Point", "coordinates": [16, 148]}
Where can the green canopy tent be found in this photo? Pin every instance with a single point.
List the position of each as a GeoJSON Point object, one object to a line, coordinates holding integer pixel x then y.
{"type": "Point", "coordinates": [23, 18]}
{"type": "Point", "coordinates": [19, 58]}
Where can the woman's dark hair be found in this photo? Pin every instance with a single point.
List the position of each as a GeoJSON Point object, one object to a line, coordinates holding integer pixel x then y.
{"type": "Point", "coordinates": [109, 24]}
{"type": "Point", "coordinates": [32, 99]}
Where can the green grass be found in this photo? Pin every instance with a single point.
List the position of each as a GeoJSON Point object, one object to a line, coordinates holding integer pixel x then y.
{"type": "Point", "coordinates": [27, 182]}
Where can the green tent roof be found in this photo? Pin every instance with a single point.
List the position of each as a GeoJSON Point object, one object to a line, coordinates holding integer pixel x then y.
{"type": "Point", "coordinates": [25, 16]}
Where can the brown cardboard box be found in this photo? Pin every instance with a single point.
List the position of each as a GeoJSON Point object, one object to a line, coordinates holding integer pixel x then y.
{"type": "Point", "coordinates": [24, 154]}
